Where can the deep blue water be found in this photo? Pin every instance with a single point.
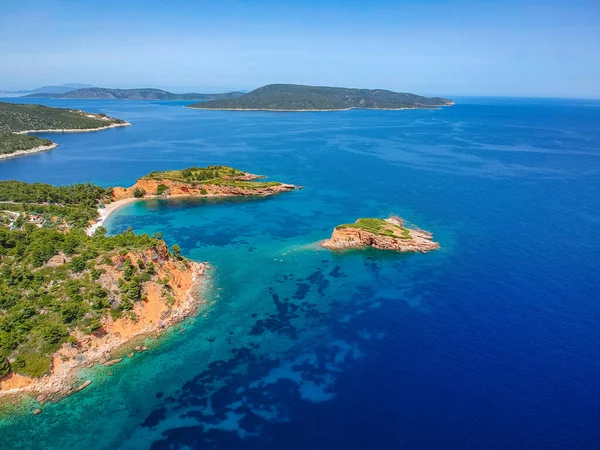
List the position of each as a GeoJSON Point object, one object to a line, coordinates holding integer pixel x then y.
{"type": "Point", "coordinates": [491, 342]}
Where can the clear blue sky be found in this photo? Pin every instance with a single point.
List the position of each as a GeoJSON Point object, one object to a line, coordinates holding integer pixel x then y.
{"type": "Point", "coordinates": [460, 47]}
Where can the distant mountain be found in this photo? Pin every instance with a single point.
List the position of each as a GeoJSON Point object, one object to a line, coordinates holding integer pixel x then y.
{"type": "Point", "coordinates": [61, 89]}
{"type": "Point", "coordinates": [133, 94]}
{"type": "Point", "coordinates": [295, 97]}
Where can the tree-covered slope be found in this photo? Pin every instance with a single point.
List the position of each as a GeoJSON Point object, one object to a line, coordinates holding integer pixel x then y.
{"type": "Point", "coordinates": [52, 284]}
{"type": "Point", "coordinates": [20, 117]}
{"type": "Point", "coordinates": [293, 97]}
{"type": "Point", "coordinates": [60, 207]}
{"type": "Point", "coordinates": [134, 94]}
{"type": "Point", "coordinates": [11, 143]}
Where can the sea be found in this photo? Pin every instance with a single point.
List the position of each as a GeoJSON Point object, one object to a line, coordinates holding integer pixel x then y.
{"type": "Point", "coordinates": [492, 342]}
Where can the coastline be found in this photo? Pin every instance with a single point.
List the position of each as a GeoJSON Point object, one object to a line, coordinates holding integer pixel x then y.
{"type": "Point", "coordinates": [111, 208]}
{"type": "Point", "coordinates": [75, 130]}
{"type": "Point", "coordinates": [41, 148]}
{"type": "Point", "coordinates": [107, 211]}
{"type": "Point", "coordinates": [108, 349]}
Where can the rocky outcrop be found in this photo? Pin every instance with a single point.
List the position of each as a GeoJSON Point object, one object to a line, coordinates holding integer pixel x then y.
{"type": "Point", "coordinates": [149, 188]}
{"type": "Point", "coordinates": [346, 238]}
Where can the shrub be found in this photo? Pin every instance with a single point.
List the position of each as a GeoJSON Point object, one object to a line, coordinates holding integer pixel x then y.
{"type": "Point", "coordinates": [138, 192]}
{"type": "Point", "coordinates": [77, 264]}
{"type": "Point", "coordinates": [161, 189]}
{"type": "Point", "coordinates": [4, 367]}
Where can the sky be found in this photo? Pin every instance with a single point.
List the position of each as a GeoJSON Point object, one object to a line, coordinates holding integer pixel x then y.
{"type": "Point", "coordinates": [531, 48]}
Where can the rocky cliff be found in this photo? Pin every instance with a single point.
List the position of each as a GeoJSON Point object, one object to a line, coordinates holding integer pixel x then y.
{"type": "Point", "coordinates": [171, 188]}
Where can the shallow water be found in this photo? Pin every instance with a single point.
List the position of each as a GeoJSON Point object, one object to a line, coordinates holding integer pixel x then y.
{"type": "Point", "coordinates": [491, 342]}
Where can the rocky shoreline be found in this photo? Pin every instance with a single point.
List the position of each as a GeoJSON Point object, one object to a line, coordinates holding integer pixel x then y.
{"type": "Point", "coordinates": [41, 148]}
{"type": "Point", "coordinates": [75, 130]}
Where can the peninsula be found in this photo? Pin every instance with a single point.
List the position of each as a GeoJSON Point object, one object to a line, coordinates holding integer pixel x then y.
{"type": "Point", "coordinates": [383, 234]}
{"type": "Point", "coordinates": [96, 93]}
{"type": "Point", "coordinates": [294, 97]}
{"type": "Point", "coordinates": [17, 120]}
{"type": "Point", "coordinates": [211, 181]}
{"type": "Point", "coordinates": [70, 299]}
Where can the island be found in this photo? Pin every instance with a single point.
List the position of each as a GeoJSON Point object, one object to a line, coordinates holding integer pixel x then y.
{"type": "Point", "coordinates": [96, 93]}
{"type": "Point", "coordinates": [383, 234]}
{"type": "Point", "coordinates": [21, 119]}
{"type": "Point", "coordinates": [71, 299]}
{"type": "Point", "coordinates": [295, 97]}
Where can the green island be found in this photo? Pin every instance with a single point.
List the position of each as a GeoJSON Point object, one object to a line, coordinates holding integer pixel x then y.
{"type": "Point", "coordinates": [383, 234]}
{"type": "Point", "coordinates": [18, 119]}
{"type": "Point", "coordinates": [294, 97]}
{"type": "Point", "coordinates": [96, 93]}
{"type": "Point", "coordinates": [71, 296]}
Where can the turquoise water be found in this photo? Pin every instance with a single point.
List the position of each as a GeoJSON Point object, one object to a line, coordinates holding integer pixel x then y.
{"type": "Point", "coordinates": [491, 342]}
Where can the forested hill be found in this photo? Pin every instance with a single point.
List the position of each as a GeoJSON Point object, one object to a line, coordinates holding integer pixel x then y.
{"type": "Point", "coordinates": [19, 117]}
{"type": "Point", "coordinates": [134, 94]}
{"type": "Point", "coordinates": [294, 97]}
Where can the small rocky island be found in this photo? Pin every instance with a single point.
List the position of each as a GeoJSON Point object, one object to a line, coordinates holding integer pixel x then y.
{"type": "Point", "coordinates": [383, 234]}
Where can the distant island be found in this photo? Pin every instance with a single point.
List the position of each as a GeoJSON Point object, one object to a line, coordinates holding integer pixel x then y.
{"type": "Point", "coordinates": [16, 120]}
{"type": "Point", "coordinates": [383, 234]}
{"type": "Point", "coordinates": [294, 97]}
{"type": "Point", "coordinates": [47, 89]}
{"type": "Point", "coordinates": [70, 299]}
{"type": "Point", "coordinates": [95, 93]}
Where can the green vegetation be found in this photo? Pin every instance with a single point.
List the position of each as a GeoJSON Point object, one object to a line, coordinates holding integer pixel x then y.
{"type": "Point", "coordinates": [17, 117]}
{"type": "Point", "coordinates": [293, 97]}
{"type": "Point", "coordinates": [133, 94]}
{"type": "Point", "coordinates": [161, 189]}
{"type": "Point", "coordinates": [11, 142]}
{"type": "Point", "coordinates": [4, 367]}
{"type": "Point", "coordinates": [74, 194]}
{"type": "Point", "coordinates": [217, 175]}
{"type": "Point", "coordinates": [43, 301]}
{"type": "Point", "coordinates": [378, 226]}
{"type": "Point", "coordinates": [138, 192]}
{"type": "Point", "coordinates": [196, 174]}
{"type": "Point", "coordinates": [52, 207]}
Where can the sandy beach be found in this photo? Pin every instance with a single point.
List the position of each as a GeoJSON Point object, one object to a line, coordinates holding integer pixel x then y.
{"type": "Point", "coordinates": [104, 213]}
